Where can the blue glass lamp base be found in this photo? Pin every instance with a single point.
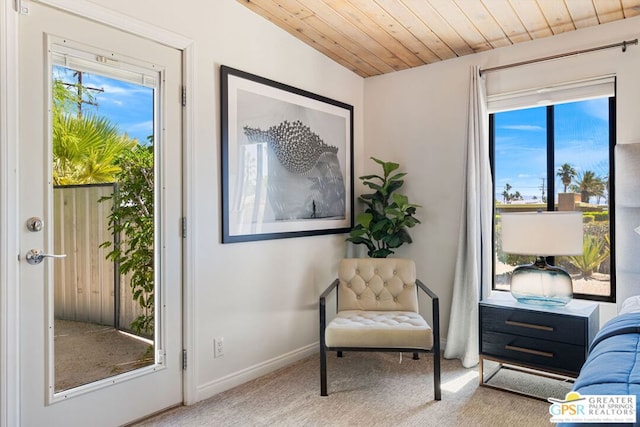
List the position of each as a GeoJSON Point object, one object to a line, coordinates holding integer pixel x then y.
{"type": "Point", "coordinates": [541, 284]}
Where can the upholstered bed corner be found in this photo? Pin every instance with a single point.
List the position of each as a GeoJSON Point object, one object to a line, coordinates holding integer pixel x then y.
{"type": "Point", "coordinates": [627, 214]}
{"type": "Point", "coordinates": [613, 364]}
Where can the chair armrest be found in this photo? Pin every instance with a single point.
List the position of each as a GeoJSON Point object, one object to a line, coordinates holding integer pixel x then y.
{"type": "Point", "coordinates": [435, 308]}
{"type": "Point", "coordinates": [426, 290]}
{"type": "Point", "coordinates": [327, 291]}
{"type": "Point", "coordinates": [323, 309]}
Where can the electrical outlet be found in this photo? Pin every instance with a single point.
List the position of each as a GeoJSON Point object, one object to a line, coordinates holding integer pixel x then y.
{"type": "Point", "coordinates": [218, 347]}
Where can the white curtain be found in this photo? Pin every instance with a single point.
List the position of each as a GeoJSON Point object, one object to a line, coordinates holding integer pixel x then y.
{"type": "Point", "coordinates": [473, 265]}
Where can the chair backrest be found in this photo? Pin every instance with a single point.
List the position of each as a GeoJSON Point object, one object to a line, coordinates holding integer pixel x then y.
{"type": "Point", "coordinates": [380, 284]}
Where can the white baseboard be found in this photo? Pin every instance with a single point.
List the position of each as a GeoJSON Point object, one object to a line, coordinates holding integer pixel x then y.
{"type": "Point", "coordinates": [227, 382]}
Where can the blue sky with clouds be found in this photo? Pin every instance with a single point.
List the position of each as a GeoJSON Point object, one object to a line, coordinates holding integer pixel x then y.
{"type": "Point", "coordinates": [581, 139]}
{"type": "Point", "coordinates": [128, 105]}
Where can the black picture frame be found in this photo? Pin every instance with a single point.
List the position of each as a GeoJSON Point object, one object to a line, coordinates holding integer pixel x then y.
{"type": "Point", "coordinates": [287, 160]}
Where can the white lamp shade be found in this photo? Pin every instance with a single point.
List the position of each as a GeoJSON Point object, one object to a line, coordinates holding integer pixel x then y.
{"type": "Point", "coordinates": [542, 233]}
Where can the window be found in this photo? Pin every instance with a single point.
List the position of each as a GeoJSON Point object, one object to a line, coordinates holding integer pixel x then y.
{"type": "Point", "coordinates": [558, 157]}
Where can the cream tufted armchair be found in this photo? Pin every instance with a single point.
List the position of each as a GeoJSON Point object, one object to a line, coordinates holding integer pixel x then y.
{"type": "Point", "coordinates": [377, 310]}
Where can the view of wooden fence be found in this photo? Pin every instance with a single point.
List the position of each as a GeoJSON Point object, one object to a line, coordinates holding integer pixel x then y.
{"type": "Point", "coordinates": [85, 281]}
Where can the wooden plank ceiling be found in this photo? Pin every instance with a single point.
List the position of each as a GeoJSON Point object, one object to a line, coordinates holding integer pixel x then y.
{"type": "Point", "coordinates": [373, 37]}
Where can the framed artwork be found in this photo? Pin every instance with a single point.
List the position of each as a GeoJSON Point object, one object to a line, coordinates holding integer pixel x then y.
{"type": "Point", "coordinates": [287, 160]}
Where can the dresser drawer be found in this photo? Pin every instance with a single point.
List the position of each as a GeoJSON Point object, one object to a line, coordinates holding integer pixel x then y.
{"type": "Point", "coordinates": [533, 352]}
{"type": "Point", "coordinates": [534, 324]}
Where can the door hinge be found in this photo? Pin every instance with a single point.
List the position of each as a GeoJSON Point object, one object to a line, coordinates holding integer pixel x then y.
{"type": "Point", "coordinates": [184, 360]}
{"type": "Point", "coordinates": [184, 96]}
{"type": "Point", "coordinates": [184, 227]}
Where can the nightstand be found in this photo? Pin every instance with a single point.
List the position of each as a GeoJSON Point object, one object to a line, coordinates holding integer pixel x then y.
{"type": "Point", "coordinates": [541, 340]}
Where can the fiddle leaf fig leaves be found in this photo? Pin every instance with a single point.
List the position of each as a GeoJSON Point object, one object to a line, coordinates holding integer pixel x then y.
{"type": "Point", "coordinates": [383, 225]}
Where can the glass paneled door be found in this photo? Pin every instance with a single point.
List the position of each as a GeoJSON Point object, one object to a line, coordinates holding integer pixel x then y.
{"type": "Point", "coordinates": [101, 250]}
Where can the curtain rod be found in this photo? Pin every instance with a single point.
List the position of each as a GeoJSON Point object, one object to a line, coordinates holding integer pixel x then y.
{"type": "Point", "coordinates": [623, 44]}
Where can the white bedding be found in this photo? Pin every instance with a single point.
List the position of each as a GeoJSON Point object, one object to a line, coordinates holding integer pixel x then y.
{"type": "Point", "coordinates": [631, 305]}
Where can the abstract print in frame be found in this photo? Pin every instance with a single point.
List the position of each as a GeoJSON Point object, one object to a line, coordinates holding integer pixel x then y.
{"type": "Point", "coordinates": [287, 160]}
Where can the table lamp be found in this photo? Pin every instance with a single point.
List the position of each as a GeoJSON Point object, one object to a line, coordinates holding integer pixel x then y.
{"type": "Point", "coordinates": [542, 234]}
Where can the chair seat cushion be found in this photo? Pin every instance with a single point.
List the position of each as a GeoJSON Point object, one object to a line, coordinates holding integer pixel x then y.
{"type": "Point", "coordinates": [379, 329]}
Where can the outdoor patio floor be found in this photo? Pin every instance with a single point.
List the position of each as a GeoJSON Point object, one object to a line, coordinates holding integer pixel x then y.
{"type": "Point", "coordinates": [86, 352]}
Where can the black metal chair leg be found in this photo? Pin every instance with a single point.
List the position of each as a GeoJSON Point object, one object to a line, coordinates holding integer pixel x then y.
{"type": "Point", "coordinates": [323, 372]}
{"type": "Point", "coordinates": [436, 375]}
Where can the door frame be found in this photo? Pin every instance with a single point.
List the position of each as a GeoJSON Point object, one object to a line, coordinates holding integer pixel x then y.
{"type": "Point", "coordinates": [10, 223]}
{"type": "Point", "coordinates": [9, 302]}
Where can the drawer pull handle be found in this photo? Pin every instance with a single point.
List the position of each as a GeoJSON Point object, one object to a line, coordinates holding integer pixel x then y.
{"type": "Point", "coordinates": [529, 325]}
{"type": "Point", "coordinates": [528, 350]}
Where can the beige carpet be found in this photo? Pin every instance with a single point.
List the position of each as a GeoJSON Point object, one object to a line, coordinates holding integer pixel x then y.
{"type": "Point", "coordinates": [369, 389]}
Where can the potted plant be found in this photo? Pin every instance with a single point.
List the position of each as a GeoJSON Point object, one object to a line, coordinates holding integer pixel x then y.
{"type": "Point", "coordinates": [384, 223]}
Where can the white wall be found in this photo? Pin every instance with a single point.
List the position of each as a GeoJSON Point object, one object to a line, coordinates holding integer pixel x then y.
{"type": "Point", "coordinates": [261, 297]}
{"type": "Point", "coordinates": [418, 117]}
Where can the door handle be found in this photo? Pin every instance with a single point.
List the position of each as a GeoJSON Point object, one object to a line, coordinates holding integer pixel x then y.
{"type": "Point", "coordinates": [35, 256]}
